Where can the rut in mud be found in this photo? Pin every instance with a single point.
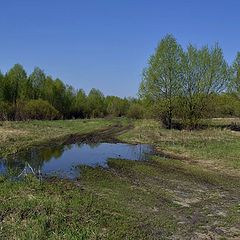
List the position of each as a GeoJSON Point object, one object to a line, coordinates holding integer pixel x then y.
{"type": "Point", "coordinates": [105, 135]}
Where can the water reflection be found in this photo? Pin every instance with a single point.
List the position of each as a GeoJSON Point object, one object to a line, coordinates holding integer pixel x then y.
{"type": "Point", "coordinates": [62, 160]}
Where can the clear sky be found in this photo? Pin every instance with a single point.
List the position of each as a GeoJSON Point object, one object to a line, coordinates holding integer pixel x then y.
{"type": "Point", "coordinates": [106, 43]}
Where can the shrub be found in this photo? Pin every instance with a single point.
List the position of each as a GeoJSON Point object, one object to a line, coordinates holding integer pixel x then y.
{"type": "Point", "coordinates": [135, 111]}
{"type": "Point", "coordinates": [6, 111]}
{"type": "Point", "coordinates": [190, 114]}
{"type": "Point", "coordinates": [41, 110]}
{"type": "Point", "coordinates": [227, 105]}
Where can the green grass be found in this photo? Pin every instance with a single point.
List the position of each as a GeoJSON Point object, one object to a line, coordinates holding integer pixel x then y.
{"type": "Point", "coordinates": [104, 206]}
{"type": "Point", "coordinates": [189, 190]}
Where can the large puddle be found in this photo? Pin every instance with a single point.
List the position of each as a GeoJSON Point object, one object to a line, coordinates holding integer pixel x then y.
{"type": "Point", "coordinates": [63, 161]}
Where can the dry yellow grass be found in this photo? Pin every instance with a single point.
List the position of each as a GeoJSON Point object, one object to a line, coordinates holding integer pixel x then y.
{"type": "Point", "coordinates": [6, 134]}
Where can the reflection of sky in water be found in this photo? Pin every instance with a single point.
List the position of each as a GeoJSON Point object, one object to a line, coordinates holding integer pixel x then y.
{"type": "Point", "coordinates": [2, 167]}
{"type": "Point", "coordinates": [62, 160]}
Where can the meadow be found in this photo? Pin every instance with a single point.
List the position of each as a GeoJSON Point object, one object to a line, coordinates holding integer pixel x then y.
{"type": "Point", "coordinates": [189, 188]}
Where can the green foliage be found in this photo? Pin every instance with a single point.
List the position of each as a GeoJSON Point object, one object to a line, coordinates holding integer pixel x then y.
{"type": "Point", "coordinates": [135, 111]}
{"type": "Point", "coordinates": [40, 109]}
{"type": "Point", "coordinates": [205, 72]}
{"type": "Point", "coordinates": [80, 104]}
{"type": "Point", "coordinates": [182, 84]}
{"type": "Point", "coordinates": [17, 89]}
{"type": "Point", "coordinates": [15, 83]}
{"type": "Point", "coordinates": [177, 85]}
{"type": "Point", "coordinates": [36, 81]}
{"type": "Point", "coordinates": [236, 74]}
{"type": "Point", "coordinates": [116, 106]}
{"type": "Point", "coordinates": [1, 86]}
{"type": "Point", "coordinates": [226, 105]}
{"type": "Point", "coordinates": [6, 111]}
{"type": "Point", "coordinates": [161, 79]}
{"type": "Point", "coordinates": [95, 103]}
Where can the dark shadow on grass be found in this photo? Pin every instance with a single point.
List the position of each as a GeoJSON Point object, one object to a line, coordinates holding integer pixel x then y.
{"type": "Point", "coordinates": [203, 126]}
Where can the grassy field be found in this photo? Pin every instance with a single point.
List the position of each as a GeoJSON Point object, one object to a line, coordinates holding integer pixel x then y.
{"type": "Point", "coordinates": [214, 148]}
{"type": "Point", "coordinates": [189, 189]}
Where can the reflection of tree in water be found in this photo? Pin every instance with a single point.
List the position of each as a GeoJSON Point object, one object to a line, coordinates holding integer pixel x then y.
{"type": "Point", "coordinates": [69, 146]}
{"type": "Point", "coordinates": [35, 157]}
{"type": "Point", "coordinates": [48, 153]}
{"type": "Point", "coordinates": [91, 145]}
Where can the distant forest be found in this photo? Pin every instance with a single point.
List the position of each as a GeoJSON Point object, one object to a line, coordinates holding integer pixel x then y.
{"type": "Point", "coordinates": [183, 86]}
{"type": "Point", "coordinates": [38, 96]}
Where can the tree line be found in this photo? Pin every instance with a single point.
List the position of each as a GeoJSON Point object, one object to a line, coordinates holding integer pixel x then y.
{"type": "Point", "coordinates": [190, 85]}
{"type": "Point", "coordinates": [39, 96]}
{"type": "Point", "coordinates": [178, 86]}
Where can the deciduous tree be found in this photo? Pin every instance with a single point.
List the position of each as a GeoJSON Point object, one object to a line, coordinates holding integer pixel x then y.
{"type": "Point", "coordinates": [162, 77]}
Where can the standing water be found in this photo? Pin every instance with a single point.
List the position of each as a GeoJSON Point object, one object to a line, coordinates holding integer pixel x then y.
{"type": "Point", "coordinates": [62, 161]}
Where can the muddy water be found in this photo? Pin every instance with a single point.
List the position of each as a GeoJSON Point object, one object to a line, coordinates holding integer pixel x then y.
{"type": "Point", "coordinates": [62, 161]}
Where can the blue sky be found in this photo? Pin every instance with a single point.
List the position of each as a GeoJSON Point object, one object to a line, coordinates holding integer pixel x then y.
{"type": "Point", "coordinates": [106, 43]}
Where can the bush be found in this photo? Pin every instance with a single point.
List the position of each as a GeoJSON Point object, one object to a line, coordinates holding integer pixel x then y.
{"type": "Point", "coordinates": [41, 110]}
{"type": "Point", "coordinates": [6, 111]}
{"type": "Point", "coordinates": [227, 105]}
{"type": "Point", "coordinates": [135, 111]}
